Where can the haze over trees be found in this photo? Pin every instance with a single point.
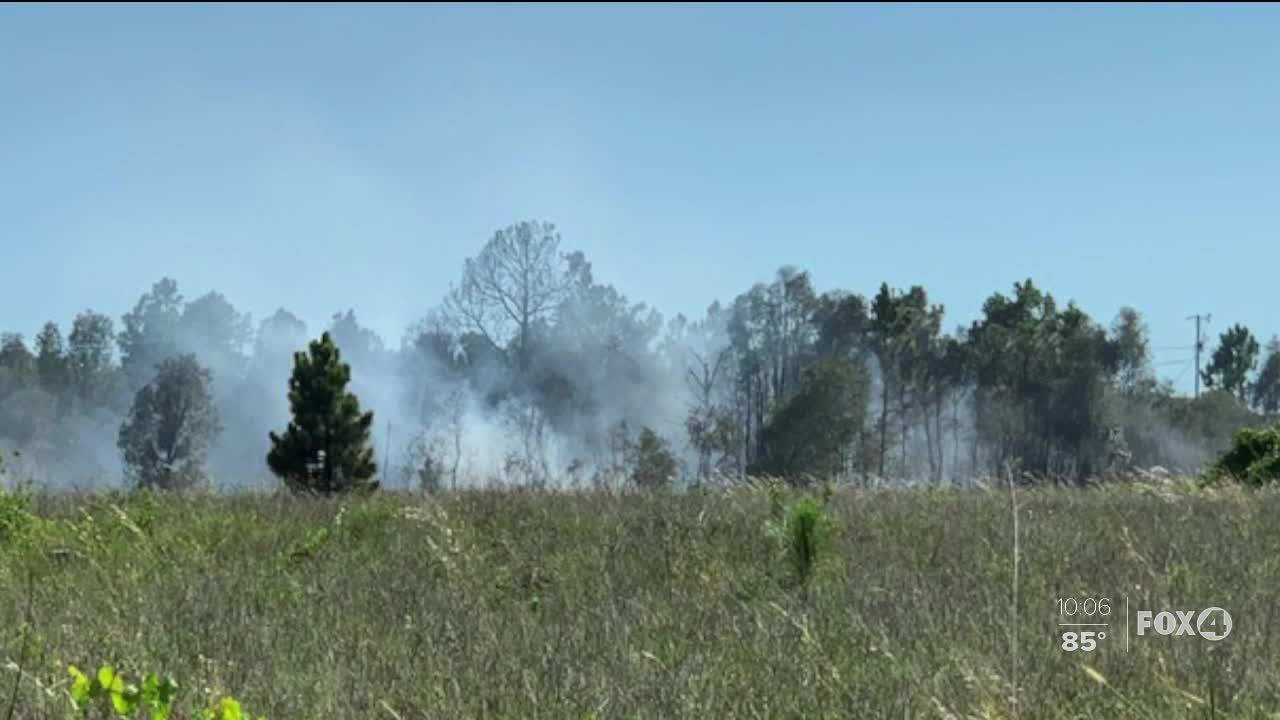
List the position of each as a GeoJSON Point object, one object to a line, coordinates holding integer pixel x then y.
{"type": "Point", "coordinates": [532, 371]}
{"type": "Point", "coordinates": [165, 438]}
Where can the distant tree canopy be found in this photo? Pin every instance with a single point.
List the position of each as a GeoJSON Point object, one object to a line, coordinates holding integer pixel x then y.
{"type": "Point", "coordinates": [1266, 389]}
{"type": "Point", "coordinates": [166, 436]}
{"type": "Point", "coordinates": [150, 331]}
{"type": "Point", "coordinates": [325, 448]}
{"type": "Point", "coordinates": [529, 363]}
{"type": "Point", "coordinates": [51, 361]}
{"type": "Point", "coordinates": [1232, 362]}
{"type": "Point", "coordinates": [161, 325]}
{"type": "Point", "coordinates": [92, 375]}
{"type": "Point", "coordinates": [812, 433]}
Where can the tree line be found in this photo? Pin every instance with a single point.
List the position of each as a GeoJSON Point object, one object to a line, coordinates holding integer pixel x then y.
{"type": "Point", "coordinates": [532, 370]}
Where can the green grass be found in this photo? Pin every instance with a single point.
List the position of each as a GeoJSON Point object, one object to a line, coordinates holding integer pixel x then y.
{"type": "Point", "coordinates": [540, 605]}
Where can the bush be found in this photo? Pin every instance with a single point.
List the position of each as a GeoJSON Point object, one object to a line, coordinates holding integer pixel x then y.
{"type": "Point", "coordinates": [115, 697]}
{"type": "Point", "coordinates": [803, 534]}
{"type": "Point", "coordinates": [15, 516]}
{"type": "Point", "coordinates": [1253, 458]}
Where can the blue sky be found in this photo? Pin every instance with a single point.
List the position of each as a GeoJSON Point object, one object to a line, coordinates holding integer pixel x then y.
{"type": "Point", "coordinates": [323, 157]}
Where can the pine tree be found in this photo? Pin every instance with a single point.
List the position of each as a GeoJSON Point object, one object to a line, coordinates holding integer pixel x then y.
{"type": "Point", "coordinates": [326, 447]}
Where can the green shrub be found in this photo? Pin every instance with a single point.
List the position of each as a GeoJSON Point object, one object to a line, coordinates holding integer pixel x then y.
{"type": "Point", "coordinates": [113, 696]}
{"type": "Point", "coordinates": [654, 465]}
{"type": "Point", "coordinates": [1253, 458]}
{"type": "Point", "coordinates": [15, 516]}
{"type": "Point", "coordinates": [803, 535]}
{"type": "Point", "coordinates": [309, 546]}
{"type": "Point", "coordinates": [109, 691]}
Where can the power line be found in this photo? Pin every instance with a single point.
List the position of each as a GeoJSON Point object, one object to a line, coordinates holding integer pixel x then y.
{"type": "Point", "coordinates": [1184, 372]}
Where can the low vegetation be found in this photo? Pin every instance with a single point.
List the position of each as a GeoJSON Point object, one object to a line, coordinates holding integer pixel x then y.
{"type": "Point", "coordinates": [1253, 458]}
{"type": "Point", "coordinates": [756, 602]}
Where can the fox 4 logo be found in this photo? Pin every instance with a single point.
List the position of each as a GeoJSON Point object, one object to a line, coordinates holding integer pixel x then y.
{"type": "Point", "coordinates": [1213, 623]}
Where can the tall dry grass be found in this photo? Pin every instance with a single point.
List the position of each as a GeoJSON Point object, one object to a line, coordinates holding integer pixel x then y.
{"type": "Point", "coordinates": [492, 604]}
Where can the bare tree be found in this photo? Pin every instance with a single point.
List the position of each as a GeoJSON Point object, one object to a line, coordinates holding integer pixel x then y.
{"type": "Point", "coordinates": [709, 426]}
{"type": "Point", "coordinates": [456, 408]}
{"type": "Point", "coordinates": [516, 282]}
{"type": "Point", "coordinates": [528, 462]}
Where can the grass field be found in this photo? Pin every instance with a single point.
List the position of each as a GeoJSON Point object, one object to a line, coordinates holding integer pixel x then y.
{"type": "Point", "coordinates": [504, 604]}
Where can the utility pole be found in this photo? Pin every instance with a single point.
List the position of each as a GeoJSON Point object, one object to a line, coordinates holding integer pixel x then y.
{"type": "Point", "coordinates": [1199, 346]}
